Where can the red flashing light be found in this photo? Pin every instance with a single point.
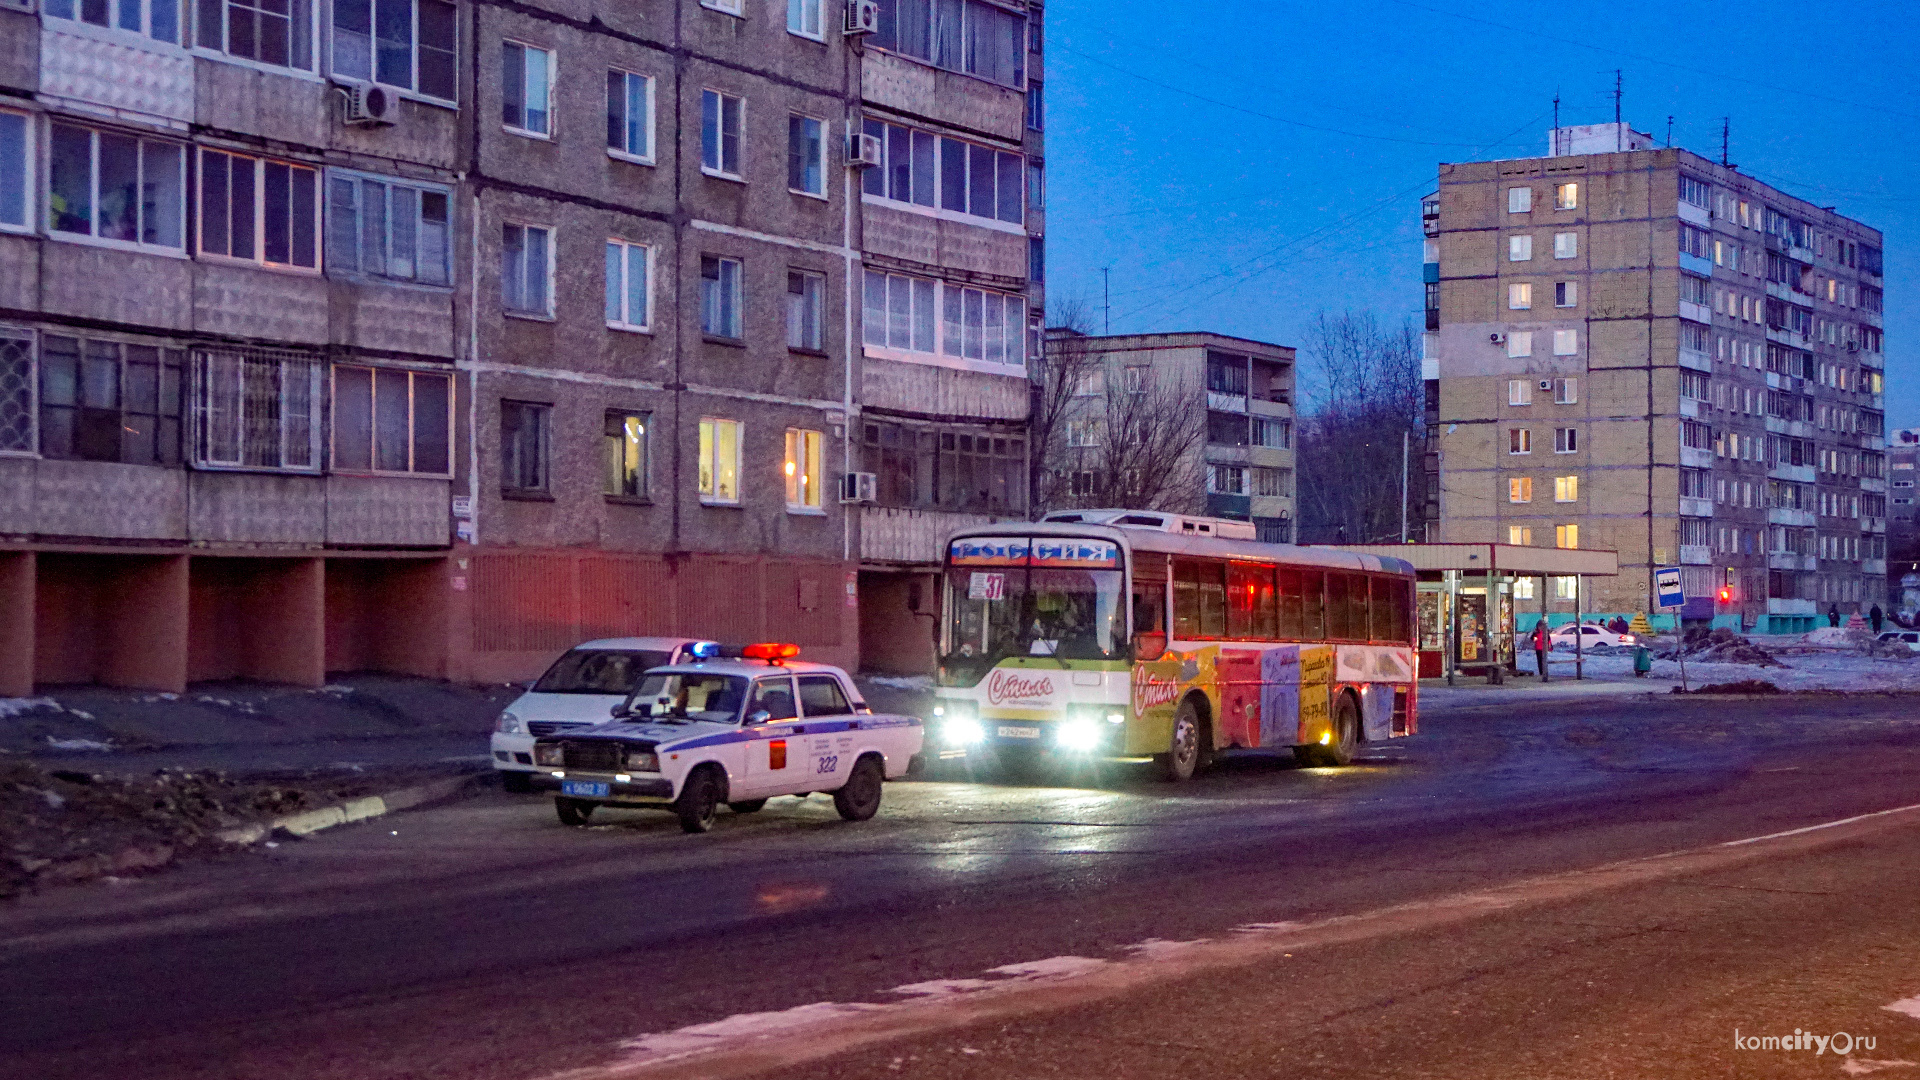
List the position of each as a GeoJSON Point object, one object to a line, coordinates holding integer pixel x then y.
{"type": "Point", "coordinates": [1726, 594]}
{"type": "Point", "coordinates": [771, 651]}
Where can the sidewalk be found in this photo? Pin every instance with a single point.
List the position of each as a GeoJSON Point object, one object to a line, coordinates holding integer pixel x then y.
{"type": "Point", "coordinates": [1610, 674]}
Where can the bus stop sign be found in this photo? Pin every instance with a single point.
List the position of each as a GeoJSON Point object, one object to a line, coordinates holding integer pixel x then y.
{"type": "Point", "coordinates": [1666, 582]}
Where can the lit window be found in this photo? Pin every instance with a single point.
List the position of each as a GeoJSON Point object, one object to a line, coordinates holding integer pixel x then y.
{"type": "Point", "coordinates": [1519, 296]}
{"type": "Point", "coordinates": [1519, 248]}
{"type": "Point", "coordinates": [803, 469]}
{"type": "Point", "coordinates": [1521, 535]}
{"type": "Point", "coordinates": [719, 460]}
{"type": "Point", "coordinates": [1519, 489]}
{"type": "Point", "coordinates": [526, 89]}
{"type": "Point", "coordinates": [1519, 200]}
{"type": "Point", "coordinates": [723, 120]}
{"type": "Point", "coordinates": [1566, 196]}
{"type": "Point", "coordinates": [1564, 588]}
{"type": "Point", "coordinates": [1566, 536]}
{"type": "Point", "coordinates": [1522, 587]}
{"type": "Point", "coordinates": [1566, 489]}
{"type": "Point", "coordinates": [1566, 245]}
{"type": "Point", "coordinates": [625, 439]}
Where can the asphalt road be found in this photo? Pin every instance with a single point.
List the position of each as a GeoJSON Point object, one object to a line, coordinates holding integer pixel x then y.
{"type": "Point", "coordinates": [482, 939]}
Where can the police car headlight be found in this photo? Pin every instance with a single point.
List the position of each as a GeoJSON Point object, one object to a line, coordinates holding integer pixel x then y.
{"type": "Point", "coordinates": [510, 724]}
{"type": "Point", "coordinates": [1078, 735]}
{"type": "Point", "coordinates": [963, 731]}
{"type": "Point", "coordinates": [643, 761]}
{"type": "Point", "coordinates": [548, 754]}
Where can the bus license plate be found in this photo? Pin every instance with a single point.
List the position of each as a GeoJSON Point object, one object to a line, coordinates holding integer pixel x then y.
{"type": "Point", "coordinates": [584, 787]}
{"type": "Point", "coordinates": [1009, 731]}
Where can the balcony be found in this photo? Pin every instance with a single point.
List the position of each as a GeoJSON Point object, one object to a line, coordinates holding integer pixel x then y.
{"type": "Point", "coordinates": [1799, 474]}
{"type": "Point", "coordinates": [1696, 555]}
{"type": "Point", "coordinates": [1781, 515]}
{"type": "Point", "coordinates": [1694, 264]}
{"type": "Point", "coordinates": [1691, 507]}
{"type": "Point", "coordinates": [1787, 560]}
{"type": "Point", "coordinates": [1227, 505]}
{"type": "Point", "coordinates": [1699, 313]}
{"type": "Point", "coordinates": [1694, 458]}
{"type": "Point", "coordinates": [1778, 606]}
{"type": "Point", "coordinates": [1226, 402]}
{"type": "Point", "coordinates": [1873, 566]}
{"type": "Point", "coordinates": [1698, 361]}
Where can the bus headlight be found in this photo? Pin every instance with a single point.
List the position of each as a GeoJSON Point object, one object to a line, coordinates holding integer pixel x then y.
{"type": "Point", "coordinates": [963, 731]}
{"type": "Point", "coordinates": [1078, 735]}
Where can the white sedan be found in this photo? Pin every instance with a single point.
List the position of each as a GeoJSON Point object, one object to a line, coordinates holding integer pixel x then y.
{"type": "Point", "coordinates": [1591, 635]}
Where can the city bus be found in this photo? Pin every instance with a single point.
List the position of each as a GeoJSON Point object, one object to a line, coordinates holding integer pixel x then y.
{"type": "Point", "coordinates": [1144, 635]}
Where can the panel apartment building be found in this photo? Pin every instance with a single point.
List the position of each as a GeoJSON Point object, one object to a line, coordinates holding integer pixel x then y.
{"type": "Point", "coordinates": [431, 336]}
{"type": "Point", "coordinates": [1636, 348]}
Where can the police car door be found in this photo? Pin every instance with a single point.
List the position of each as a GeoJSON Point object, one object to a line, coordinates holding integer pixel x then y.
{"type": "Point", "coordinates": [776, 764]}
{"type": "Point", "coordinates": [829, 741]}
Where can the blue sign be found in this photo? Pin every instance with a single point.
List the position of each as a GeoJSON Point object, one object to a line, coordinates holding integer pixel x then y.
{"type": "Point", "coordinates": [1666, 582]}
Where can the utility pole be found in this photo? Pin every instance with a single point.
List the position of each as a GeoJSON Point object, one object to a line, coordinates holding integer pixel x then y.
{"type": "Point", "coordinates": [1406, 447]}
{"type": "Point", "coordinates": [1669, 131]}
{"type": "Point", "coordinates": [1726, 129]}
{"type": "Point", "coordinates": [1619, 137]}
{"type": "Point", "coordinates": [1106, 304]}
{"type": "Point", "coordinates": [1556, 124]}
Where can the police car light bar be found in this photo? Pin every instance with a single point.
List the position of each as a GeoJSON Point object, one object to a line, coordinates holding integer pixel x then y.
{"type": "Point", "coordinates": [771, 651]}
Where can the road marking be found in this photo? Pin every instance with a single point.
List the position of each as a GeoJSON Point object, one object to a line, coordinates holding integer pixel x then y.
{"type": "Point", "coordinates": [757, 1043]}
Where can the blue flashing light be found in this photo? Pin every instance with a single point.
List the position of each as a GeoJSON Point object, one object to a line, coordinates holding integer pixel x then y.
{"type": "Point", "coordinates": [705, 650]}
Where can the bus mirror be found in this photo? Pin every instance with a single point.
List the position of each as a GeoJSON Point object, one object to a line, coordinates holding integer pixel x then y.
{"type": "Point", "coordinates": [1149, 646]}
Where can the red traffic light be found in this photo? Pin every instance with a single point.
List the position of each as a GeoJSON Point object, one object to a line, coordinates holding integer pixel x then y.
{"type": "Point", "coordinates": [1726, 594]}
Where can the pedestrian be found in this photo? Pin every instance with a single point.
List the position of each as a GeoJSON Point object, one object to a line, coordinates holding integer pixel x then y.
{"type": "Point", "coordinates": [1874, 616]}
{"type": "Point", "coordinates": [1540, 649]}
{"type": "Point", "coordinates": [1833, 616]}
{"type": "Point", "coordinates": [1618, 625]}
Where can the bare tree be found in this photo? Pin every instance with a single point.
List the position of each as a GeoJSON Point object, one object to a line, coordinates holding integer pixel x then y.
{"type": "Point", "coordinates": [1113, 439]}
{"type": "Point", "coordinates": [1362, 396]}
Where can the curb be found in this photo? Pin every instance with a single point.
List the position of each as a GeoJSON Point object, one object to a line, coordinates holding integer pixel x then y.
{"type": "Point", "coordinates": [308, 822]}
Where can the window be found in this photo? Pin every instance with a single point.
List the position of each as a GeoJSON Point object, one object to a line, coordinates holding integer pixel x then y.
{"type": "Point", "coordinates": [16, 169]}
{"type": "Point", "coordinates": [1519, 391]}
{"type": "Point", "coordinates": [1519, 249]}
{"type": "Point", "coordinates": [1695, 242]}
{"type": "Point", "coordinates": [1266, 430]}
{"type": "Point", "coordinates": [406, 44]}
{"type": "Point", "coordinates": [1519, 200]}
{"type": "Point", "coordinates": [723, 120]}
{"type": "Point", "coordinates": [1519, 489]}
{"type": "Point", "coordinates": [1519, 296]}
{"type": "Point", "coordinates": [1566, 245]}
{"type": "Point", "coordinates": [1566, 293]}
{"type": "Point", "coordinates": [1084, 432]}
{"type": "Point", "coordinates": [158, 19]}
{"type": "Point", "coordinates": [17, 396]}
{"type": "Point", "coordinates": [1083, 483]}
{"type": "Point", "coordinates": [629, 285]}
{"type": "Point", "coordinates": [820, 695]}
{"type": "Point", "coordinates": [624, 438]}
{"type": "Point", "coordinates": [1227, 479]}
{"type": "Point", "coordinates": [1566, 391]}
{"type": "Point", "coordinates": [1036, 259]}
{"type": "Point", "coordinates": [1695, 436]}
{"type": "Point", "coordinates": [273, 32]}
{"type": "Point", "coordinates": [1566, 196]}
{"type": "Point", "coordinates": [1036, 185]}
{"type": "Point", "coordinates": [526, 89]}
{"type": "Point", "coordinates": [918, 315]}
{"type": "Point", "coordinates": [804, 18]}
{"type": "Point", "coordinates": [730, 7]}
{"type": "Point", "coordinates": [1269, 482]}
{"type": "Point", "coordinates": [960, 35]}
{"type": "Point", "coordinates": [1566, 489]}
{"type": "Point", "coordinates": [719, 460]}
{"type": "Point", "coordinates": [1566, 536]}
{"type": "Point", "coordinates": [924, 169]}
{"type": "Point", "coordinates": [805, 141]}
{"type": "Point", "coordinates": [1565, 587]}
{"type": "Point", "coordinates": [259, 210]}
{"type": "Point", "coordinates": [721, 294]}
{"type": "Point", "coordinates": [390, 421]}
{"type": "Point", "coordinates": [630, 116]}
{"type": "Point", "coordinates": [1522, 536]}
{"type": "Point", "coordinates": [806, 309]}
{"type": "Point", "coordinates": [98, 400]}
{"type": "Point", "coordinates": [1036, 108]}
{"type": "Point", "coordinates": [1695, 191]}
{"type": "Point", "coordinates": [804, 472]}
{"type": "Point", "coordinates": [381, 228]}
{"type": "Point", "coordinates": [1566, 440]}
{"type": "Point", "coordinates": [1519, 441]}
{"type": "Point", "coordinates": [105, 185]}
{"type": "Point", "coordinates": [1566, 342]}
{"type": "Point", "coordinates": [947, 468]}
{"type": "Point", "coordinates": [1694, 290]}
{"type": "Point", "coordinates": [256, 409]}
{"type": "Point", "coordinates": [526, 270]}
{"type": "Point", "coordinates": [524, 447]}
{"type": "Point", "coordinates": [1520, 343]}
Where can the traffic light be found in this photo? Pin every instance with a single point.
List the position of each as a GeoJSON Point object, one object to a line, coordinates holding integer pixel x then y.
{"type": "Point", "coordinates": [1726, 594]}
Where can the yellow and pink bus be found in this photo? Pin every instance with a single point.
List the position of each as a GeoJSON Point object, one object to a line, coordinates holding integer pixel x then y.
{"type": "Point", "coordinates": [1139, 634]}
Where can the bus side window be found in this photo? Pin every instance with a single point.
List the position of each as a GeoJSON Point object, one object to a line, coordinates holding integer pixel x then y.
{"type": "Point", "coordinates": [1186, 600]}
{"type": "Point", "coordinates": [1149, 618]}
{"type": "Point", "coordinates": [1338, 628]}
{"type": "Point", "coordinates": [1292, 621]}
{"type": "Point", "coordinates": [1265, 626]}
{"type": "Point", "coordinates": [1399, 609]}
{"type": "Point", "coordinates": [1213, 599]}
{"type": "Point", "coordinates": [1312, 600]}
{"type": "Point", "coordinates": [1250, 601]}
{"type": "Point", "coordinates": [1368, 622]}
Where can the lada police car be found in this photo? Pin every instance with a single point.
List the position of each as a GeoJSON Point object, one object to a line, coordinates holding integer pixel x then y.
{"type": "Point", "coordinates": [735, 726]}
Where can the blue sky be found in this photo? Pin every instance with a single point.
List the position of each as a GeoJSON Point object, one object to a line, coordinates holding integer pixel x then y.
{"type": "Point", "coordinates": [1286, 178]}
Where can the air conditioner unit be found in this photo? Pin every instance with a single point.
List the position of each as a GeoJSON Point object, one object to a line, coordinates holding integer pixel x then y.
{"type": "Point", "coordinates": [863, 17]}
{"type": "Point", "coordinates": [371, 105]}
{"type": "Point", "coordinates": [859, 487]}
{"type": "Point", "coordinates": [1497, 339]}
{"type": "Point", "coordinates": [863, 150]}
{"type": "Point", "coordinates": [1546, 384]}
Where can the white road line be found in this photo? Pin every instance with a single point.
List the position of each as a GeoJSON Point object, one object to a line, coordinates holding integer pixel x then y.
{"type": "Point", "coordinates": [756, 1043]}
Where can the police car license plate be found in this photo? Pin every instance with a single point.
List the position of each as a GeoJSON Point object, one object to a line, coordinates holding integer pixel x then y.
{"type": "Point", "coordinates": [584, 787]}
{"type": "Point", "coordinates": [1010, 731]}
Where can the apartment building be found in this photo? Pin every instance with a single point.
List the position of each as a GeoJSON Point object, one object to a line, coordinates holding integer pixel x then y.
{"type": "Point", "coordinates": [435, 336]}
{"type": "Point", "coordinates": [952, 258]}
{"type": "Point", "coordinates": [1120, 432]}
{"type": "Point", "coordinates": [1903, 465]}
{"type": "Point", "coordinates": [1636, 348]}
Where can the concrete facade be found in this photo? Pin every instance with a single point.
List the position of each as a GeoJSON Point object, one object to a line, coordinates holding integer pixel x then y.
{"type": "Point", "coordinates": [357, 389]}
{"type": "Point", "coordinates": [1649, 352]}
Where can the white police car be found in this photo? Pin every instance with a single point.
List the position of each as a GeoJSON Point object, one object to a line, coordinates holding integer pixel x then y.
{"type": "Point", "coordinates": [735, 726]}
{"type": "Point", "coordinates": [579, 690]}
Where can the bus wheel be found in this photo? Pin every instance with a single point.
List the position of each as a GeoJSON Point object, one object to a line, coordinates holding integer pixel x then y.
{"type": "Point", "coordinates": [1183, 752]}
{"type": "Point", "coordinates": [1345, 742]}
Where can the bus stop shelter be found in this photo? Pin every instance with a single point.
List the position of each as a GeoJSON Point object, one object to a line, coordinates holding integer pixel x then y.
{"type": "Point", "coordinates": [1472, 595]}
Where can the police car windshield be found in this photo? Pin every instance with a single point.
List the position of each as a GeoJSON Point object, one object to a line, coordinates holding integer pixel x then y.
{"type": "Point", "coordinates": [688, 696]}
{"type": "Point", "coordinates": [598, 671]}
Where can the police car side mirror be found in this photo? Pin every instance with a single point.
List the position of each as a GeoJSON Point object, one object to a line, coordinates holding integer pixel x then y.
{"type": "Point", "coordinates": [759, 716]}
{"type": "Point", "coordinates": [619, 711]}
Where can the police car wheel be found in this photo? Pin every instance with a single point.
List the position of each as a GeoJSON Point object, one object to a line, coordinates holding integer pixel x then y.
{"type": "Point", "coordinates": [698, 802]}
{"type": "Point", "coordinates": [748, 806]}
{"type": "Point", "coordinates": [859, 798]}
{"type": "Point", "coordinates": [573, 811]}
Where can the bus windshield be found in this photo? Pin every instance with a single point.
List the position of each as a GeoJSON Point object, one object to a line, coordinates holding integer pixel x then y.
{"type": "Point", "coordinates": [1068, 614]}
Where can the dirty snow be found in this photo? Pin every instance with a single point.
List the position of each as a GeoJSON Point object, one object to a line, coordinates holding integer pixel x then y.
{"type": "Point", "coordinates": [1824, 671]}
{"type": "Point", "coordinates": [77, 744]}
{"type": "Point", "coordinates": [11, 707]}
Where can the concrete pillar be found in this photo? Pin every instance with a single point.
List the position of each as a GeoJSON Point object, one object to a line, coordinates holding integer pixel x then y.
{"type": "Point", "coordinates": [284, 619]}
{"type": "Point", "coordinates": [143, 622]}
{"type": "Point", "coordinates": [16, 623]}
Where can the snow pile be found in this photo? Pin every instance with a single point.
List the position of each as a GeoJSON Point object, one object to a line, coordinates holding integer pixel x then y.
{"type": "Point", "coordinates": [1720, 646]}
{"type": "Point", "coordinates": [1856, 639]}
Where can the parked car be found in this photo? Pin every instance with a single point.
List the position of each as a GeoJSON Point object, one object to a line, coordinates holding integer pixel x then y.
{"type": "Point", "coordinates": [579, 690]}
{"type": "Point", "coordinates": [735, 726]}
{"type": "Point", "coordinates": [1909, 638]}
{"type": "Point", "coordinates": [1590, 635]}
